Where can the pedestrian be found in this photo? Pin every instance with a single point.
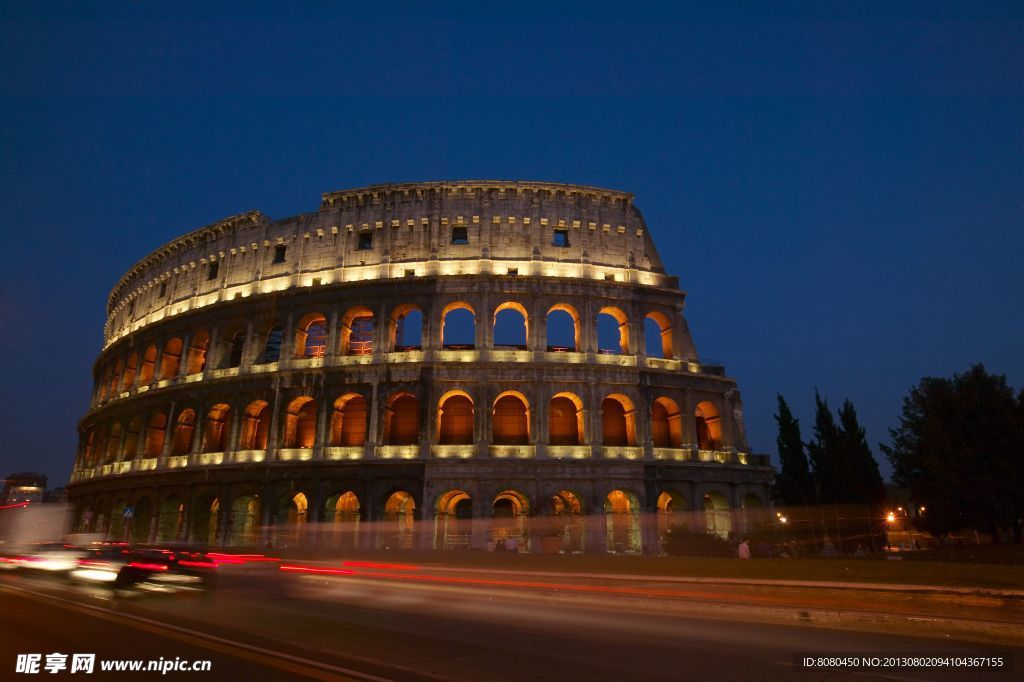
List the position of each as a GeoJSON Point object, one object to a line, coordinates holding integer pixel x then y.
{"type": "Point", "coordinates": [743, 552]}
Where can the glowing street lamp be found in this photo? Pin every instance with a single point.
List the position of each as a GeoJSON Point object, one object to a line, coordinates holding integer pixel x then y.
{"type": "Point", "coordinates": [890, 517]}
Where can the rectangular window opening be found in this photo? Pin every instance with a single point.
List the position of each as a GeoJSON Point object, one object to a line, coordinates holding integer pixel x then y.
{"type": "Point", "coordinates": [163, 289]}
{"type": "Point", "coordinates": [513, 271]}
{"type": "Point", "coordinates": [365, 241]}
{"type": "Point", "coordinates": [460, 235]}
{"type": "Point", "coordinates": [560, 238]}
{"type": "Point", "coordinates": [279, 253]}
{"type": "Point", "coordinates": [212, 272]}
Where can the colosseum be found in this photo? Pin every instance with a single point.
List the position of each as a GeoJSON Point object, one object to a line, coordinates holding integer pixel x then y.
{"type": "Point", "coordinates": [412, 365]}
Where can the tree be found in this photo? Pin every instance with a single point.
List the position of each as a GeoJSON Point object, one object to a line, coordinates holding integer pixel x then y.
{"type": "Point", "coordinates": [958, 449]}
{"type": "Point", "coordinates": [858, 470]}
{"type": "Point", "coordinates": [793, 485]}
{"type": "Point", "coordinates": [823, 451]}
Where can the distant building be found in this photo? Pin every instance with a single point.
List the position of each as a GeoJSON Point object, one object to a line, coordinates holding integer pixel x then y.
{"type": "Point", "coordinates": [24, 487]}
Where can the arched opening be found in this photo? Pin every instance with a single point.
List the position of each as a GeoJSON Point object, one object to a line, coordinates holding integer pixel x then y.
{"type": "Point", "coordinates": [255, 425]}
{"type": "Point", "coordinates": [89, 452]}
{"type": "Point", "coordinates": [565, 425]}
{"type": "Point", "coordinates": [112, 444]}
{"type": "Point", "coordinates": [141, 520]}
{"type": "Point", "coordinates": [295, 516]}
{"type": "Point", "coordinates": [130, 367]}
{"type": "Point", "coordinates": [455, 503]}
{"type": "Point", "coordinates": [563, 328]}
{"type": "Point", "coordinates": [103, 384]}
{"type": "Point", "coordinates": [197, 350]}
{"type": "Point", "coordinates": [622, 522]}
{"type": "Point", "coordinates": [453, 525]}
{"type": "Point", "coordinates": [300, 423]}
{"type": "Point", "coordinates": [116, 532]}
{"type": "Point", "coordinates": [170, 360]}
{"type": "Point", "coordinates": [458, 326]}
{"type": "Point", "coordinates": [131, 439]}
{"type": "Point", "coordinates": [658, 335]}
{"type": "Point", "coordinates": [508, 527]}
{"type": "Point", "coordinates": [244, 522]}
{"type": "Point", "coordinates": [148, 366]}
{"type": "Point", "coordinates": [510, 326]}
{"type": "Point", "coordinates": [709, 426]}
{"type": "Point", "coordinates": [272, 346]}
{"type": "Point", "coordinates": [618, 421]}
{"type": "Point", "coordinates": [357, 331]}
{"type": "Point", "coordinates": [204, 520]}
{"type": "Point", "coordinates": [341, 513]}
{"type": "Point", "coordinates": [666, 424]}
{"type": "Point", "coordinates": [671, 506]}
{"type": "Point", "coordinates": [181, 442]}
{"type": "Point", "coordinates": [171, 519]}
{"type": "Point", "coordinates": [612, 331]}
{"type": "Point", "coordinates": [348, 421]}
{"type": "Point", "coordinates": [716, 514]}
{"type": "Point", "coordinates": [155, 432]}
{"type": "Point", "coordinates": [311, 336]}
{"type": "Point", "coordinates": [406, 331]}
{"type": "Point", "coordinates": [216, 432]}
{"type": "Point", "coordinates": [402, 419]}
{"type": "Point", "coordinates": [234, 357]}
{"type": "Point", "coordinates": [455, 419]}
{"type": "Point", "coordinates": [752, 501]}
{"type": "Point", "coordinates": [398, 529]}
{"type": "Point", "coordinates": [511, 419]}
{"type": "Point", "coordinates": [115, 379]}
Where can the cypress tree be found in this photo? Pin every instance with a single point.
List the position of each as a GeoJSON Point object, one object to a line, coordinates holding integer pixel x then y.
{"type": "Point", "coordinates": [860, 478]}
{"type": "Point", "coordinates": [823, 453]}
{"type": "Point", "coordinates": [793, 485]}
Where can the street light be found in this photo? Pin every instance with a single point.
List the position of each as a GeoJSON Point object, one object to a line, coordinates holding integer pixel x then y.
{"type": "Point", "coordinates": [890, 517]}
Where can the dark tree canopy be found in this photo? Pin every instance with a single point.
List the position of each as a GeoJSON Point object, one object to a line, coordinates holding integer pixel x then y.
{"type": "Point", "coordinates": [845, 471]}
{"type": "Point", "coordinates": [793, 485]}
{"type": "Point", "coordinates": [959, 448]}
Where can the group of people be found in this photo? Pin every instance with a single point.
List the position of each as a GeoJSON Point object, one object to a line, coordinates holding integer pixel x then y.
{"type": "Point", "coordinates": [509, 544]}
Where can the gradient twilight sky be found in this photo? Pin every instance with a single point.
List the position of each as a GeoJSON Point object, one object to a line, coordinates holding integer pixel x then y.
{"type": "Point", "coordinates": [839, 186]}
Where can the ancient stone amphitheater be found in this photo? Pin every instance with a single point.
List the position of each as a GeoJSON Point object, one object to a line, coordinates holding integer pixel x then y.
{"type": "Point", "coordinates": [407, 365]}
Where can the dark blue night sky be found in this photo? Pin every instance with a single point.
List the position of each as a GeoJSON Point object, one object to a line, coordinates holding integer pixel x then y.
{"type": "Point", "coordinates": [839, 186]}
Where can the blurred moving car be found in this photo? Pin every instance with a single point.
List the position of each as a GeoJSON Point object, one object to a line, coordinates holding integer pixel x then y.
{"type": "Point", "coordinates": [154, 570]}
{"type": "Point", "coordinates": [50, 557]}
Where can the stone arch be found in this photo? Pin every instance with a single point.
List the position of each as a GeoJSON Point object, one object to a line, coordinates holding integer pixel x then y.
{"type": "Point", "coordinates": [205, 519]}
{"type": "Point", "coordinates": [155, 433]}
{"type": "Point", "coordinates": [398, 528]}
{"type": "Point", "coordinates": [709, 426]}
{"type": "Point", "coordinates": [622, 522]}
{"type": "Point", "coordinates": [405, 330]}
{"type": "Point", "coordinates": [618, 421]}
{"type": "Point", "coordinates": [255, 426]}
{"type": "Point", "coordinates": [311, 336]}
{"type": "Point", "coordinates": [341, 517]}
{"type": "Point", "coordinates": [244, 520]}
{"type": "Point", "coordinates": [300, 423]}
{"type": "Point", "coordinates": [170, 519]}
{"type": "Point", "coordinates": [658, 341]}
{"type": "Point", "coordinates": [510, 324]}
{"type": "Point", "coordinates": [348, 421]}
{"type": "Point", "coordinates": [197, 352]}
{"type": "Point", "coordinates": [236, 349]}
{"type": "Point", "coordinates": [148, 366]}
{"type": "Point", "coordinates": [455, 502]}
{"type": "Point", "coordinates": [170, 359]}
{"type": "Point", "coordinates": [215, 433]}
{"type": "Point", "coordinates": [112, 444]}
{"type": "Point", "coordinates": [612, 330]}
{"type": "Point", "coordinates": [184, 427]}
{"type": "Point", "coordinates": [751, 501]}
{"type": "Point", "coordinates": [272, 345]}
{"type": "Point", "coordinates": [357, 330]}
{"type": "Point", "coordinates": [115, 378]}
{"type": "Point", "coordinates": [131, 366]}
{"type": "Point", "coordinates": [142, 520]}
{"type": "Point", "coordinates": [402, 419]}
{"type": "Point", "coordinates": [717, 519]}
{"type": "Point", "coordinates": [455, 418]}
{"type": "Point", "coordinates": [510, 503]}
{"type": "Point", "coordinates": [666, 423]}
{"type": "Point", "coordinates": [565, 423]}
{"type": "Point", "coordinates": [510, 421]}
{"type": "Point", "coordinates": [459, 339]}
{"type": "Point", "coordinates": [400, 504]}
{"type": "Point", "coordinates": [553, 324]}
{"type": "Point", "coordinates": [131, 438]}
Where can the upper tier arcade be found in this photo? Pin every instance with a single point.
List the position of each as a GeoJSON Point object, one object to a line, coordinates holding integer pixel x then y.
{"type": "Point", "coordinates": [393, 231]}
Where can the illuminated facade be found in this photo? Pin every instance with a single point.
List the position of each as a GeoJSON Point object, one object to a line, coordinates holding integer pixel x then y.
{"type": "Point", "coordinates": [433, 351]}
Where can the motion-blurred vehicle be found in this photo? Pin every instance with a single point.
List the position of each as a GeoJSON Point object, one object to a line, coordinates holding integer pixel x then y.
{"type": "Point", "coordinates": [153, 570]}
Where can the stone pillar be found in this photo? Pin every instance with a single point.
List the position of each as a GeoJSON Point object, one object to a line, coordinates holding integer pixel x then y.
{"type": "Point", "coordinates": [168, 433]}
{"type": "Point", "coordinates": [323, 411]}
{"type": "Point", "coordinates": [333, 337]}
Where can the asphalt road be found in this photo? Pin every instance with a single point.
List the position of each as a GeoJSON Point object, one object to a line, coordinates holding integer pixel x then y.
{"type": "Point", "coordinates": [272, 627]}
